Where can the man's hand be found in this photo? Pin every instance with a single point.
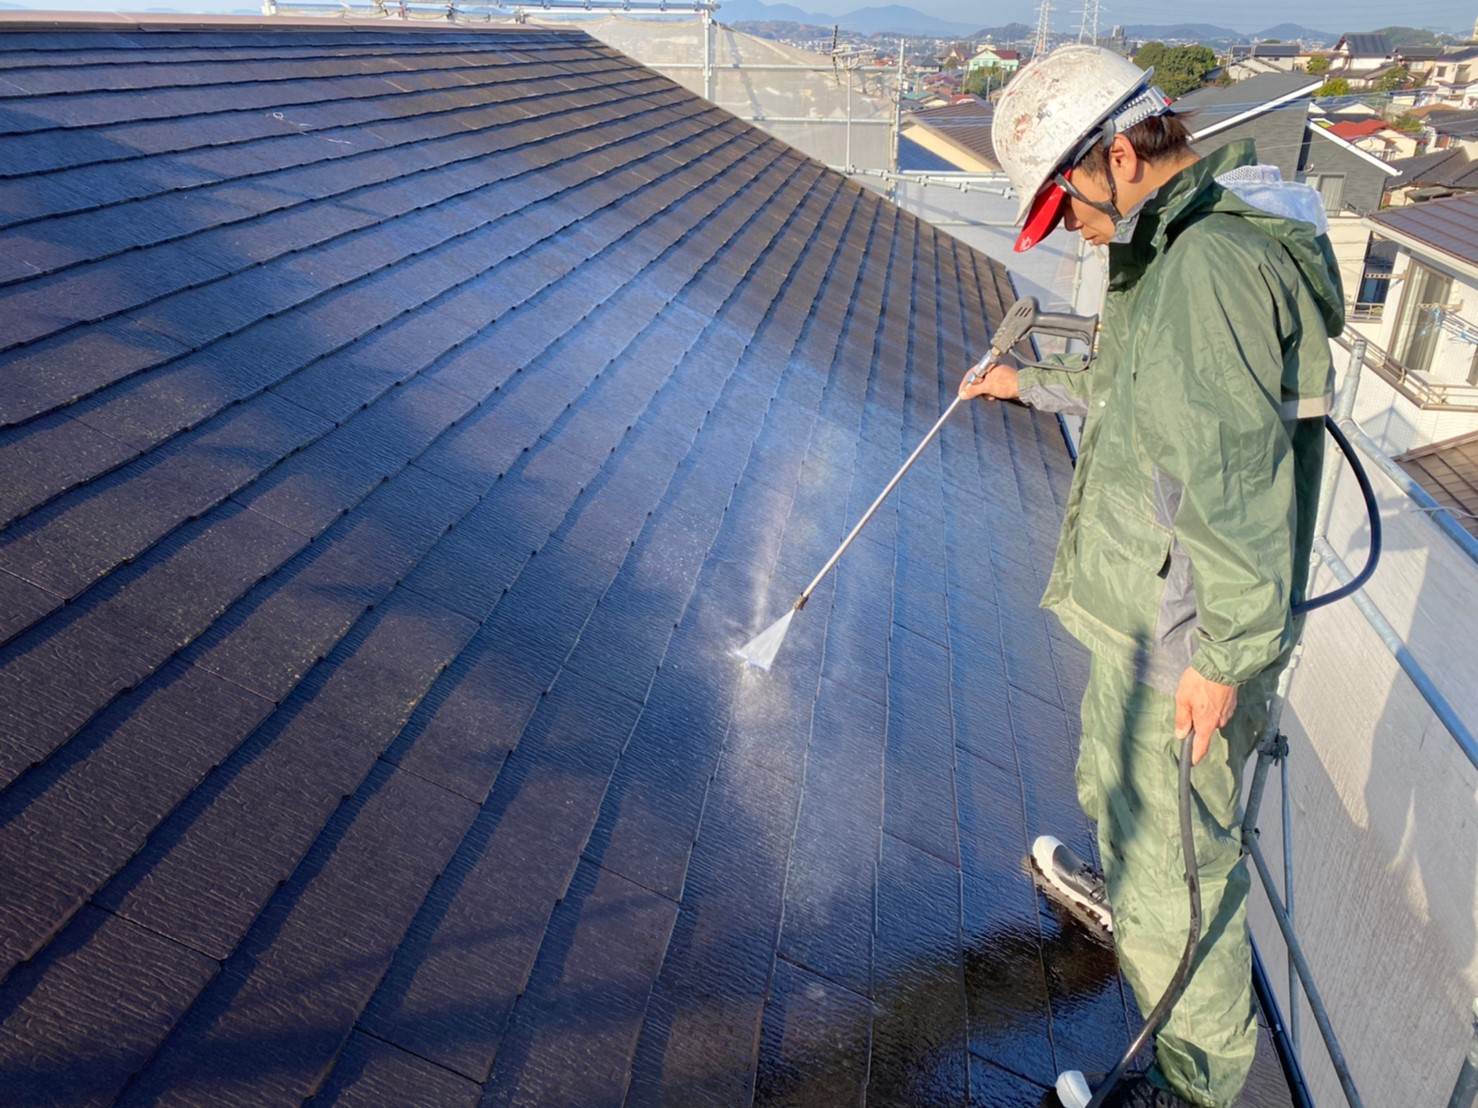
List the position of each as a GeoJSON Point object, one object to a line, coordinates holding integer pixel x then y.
{"type": "Point", "coordinates": [1202, 706]}
{"type": "Point", "coordinates": [998, 382]}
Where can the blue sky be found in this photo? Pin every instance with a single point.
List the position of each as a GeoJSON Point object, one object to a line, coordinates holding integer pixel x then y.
{"type": "Point", "coordinates": [1353, 15]}
{"type": "Point", "coordinates": [1321, 15]}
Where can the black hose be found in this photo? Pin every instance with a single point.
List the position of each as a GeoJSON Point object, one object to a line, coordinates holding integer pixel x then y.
{"type": "Point", "coordinates": [1187, 842]}
{"type": "Point", "coordinates": [1193, 934]}
{"type": "Point", "coordinates": [1371, 510]}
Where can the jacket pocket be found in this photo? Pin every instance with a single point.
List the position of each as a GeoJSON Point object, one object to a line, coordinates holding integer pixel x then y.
{"type": "Point", "coordinates": [1123, 556]}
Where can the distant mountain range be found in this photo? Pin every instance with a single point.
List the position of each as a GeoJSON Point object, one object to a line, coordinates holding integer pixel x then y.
{"type": "Point", "coordinates": [900, 20]}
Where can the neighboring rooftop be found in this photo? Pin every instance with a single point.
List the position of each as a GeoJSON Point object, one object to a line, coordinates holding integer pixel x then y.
{"type": "Point", "coordinates": [963, 126]}
{"type": "Point", "coordinates": [1419, 53]}
{"type": "Point", "coordinates": [1448, 471]}
{"type": "Point", "coordinates": [1353, 130]}
{"type": "Point", "coordinates": [1365, 46]}
{"type": "Point", "coordinates": [1453, 169]}
{"type": "Point", "coordinates": [1442, 228]}
{"type": "Point", "coordinates": [1458, 125]}
{"type": "Point", "coordinates": [1219, 107]}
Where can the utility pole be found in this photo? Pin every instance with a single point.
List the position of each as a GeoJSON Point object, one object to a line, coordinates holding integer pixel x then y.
{"type": "Point", "coordinates": [1044, 28]}
{"type": "Point", "coordinates": [897, 125]}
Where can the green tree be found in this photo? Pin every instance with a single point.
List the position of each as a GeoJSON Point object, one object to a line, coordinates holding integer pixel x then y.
{"type": "Point", "coordinates": [1318, 65]}
{"type": "Point", "coordinates": [985, 80]}
{"type": "Point", "coordinates": [1397, 78]}
{"type": "Point", "coordinates": [1183, 68]}
{"type": "Point", "coordinates": [1335, 86]}
{"type": "Point", "coordinates": [1150, 54]}
{"type": "Point", "coordinates": [1407, 124]}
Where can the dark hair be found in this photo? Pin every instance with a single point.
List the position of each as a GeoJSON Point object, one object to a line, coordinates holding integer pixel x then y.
{"type": "Point", "coordinates": [1153, 139]}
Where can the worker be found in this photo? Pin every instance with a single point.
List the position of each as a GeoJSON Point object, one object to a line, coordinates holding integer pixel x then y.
{"type": "Point", "coordinates": [1190, 518]}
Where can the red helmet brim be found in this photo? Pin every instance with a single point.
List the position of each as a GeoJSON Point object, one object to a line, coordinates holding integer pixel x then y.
{"type": "Point", "coordinates": [1042, 217]}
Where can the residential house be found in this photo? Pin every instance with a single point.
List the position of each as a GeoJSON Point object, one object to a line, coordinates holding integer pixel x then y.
{"type": "Point", "coordinates": [1418, 60]}
{"type": "Point", "coordinates": [1274, 111]}
{"type": "Point", "coordinates": [1245, 61]}
{"type": "Point", "coordinates": [1306, 57]}
{"type": "Point", "coordinates": [955, 57]}
{"type": "Point", "coordinates": [1376, 136]}
{"type": "Point", "coordinates": [1450, 76]}
{"type": "Point", "coordinates": [955, 138]}
{"type": "Point", "coordinates": [994, 57]}
{"type": "Point", "coordinates": [1280, 55]}
{"type": "Point", "coordinates": [1354, 55]}
{"type": "Point", "coordinates": [1454, 129]}
{"type": "Point", "coordinates": [1429, 176]}
{"type": "Point", "coordinates": [1425, 341]}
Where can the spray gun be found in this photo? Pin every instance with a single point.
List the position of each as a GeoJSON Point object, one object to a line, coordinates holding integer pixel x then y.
{"type": "Point", "coordinates": [1025, 318]}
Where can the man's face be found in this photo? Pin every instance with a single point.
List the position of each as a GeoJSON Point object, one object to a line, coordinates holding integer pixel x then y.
{"type": "Point", "coordinates": [1094, 225]}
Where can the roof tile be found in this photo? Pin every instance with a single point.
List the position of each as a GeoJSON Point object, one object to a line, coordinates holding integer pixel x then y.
{"type": "Point", "coordinates": [470, 953]}
{"type": "Point", "coordinates": [371, 1073]}
{"type": "Point", "coordinates": [89, 810]}
{"type": "Point", "coordinates": [257, 1033]}
{"type": "Point", "coordinates": [104, 981]}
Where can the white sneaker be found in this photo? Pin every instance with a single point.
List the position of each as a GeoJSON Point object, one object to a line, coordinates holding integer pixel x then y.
{"type": "Point", "coordinates": [1066, 877]}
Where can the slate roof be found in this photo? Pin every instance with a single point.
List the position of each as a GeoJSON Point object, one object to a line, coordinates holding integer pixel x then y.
{"type": "Point", "coordinates": [1445, 168]}
{"type": "Point", "coordinates": [965, 124]}
{"type": "Point", "coordinates": [399, 428]}
{"type": "Point", "coordinates": [401, 424]}
{"type": "Point", "coordinates": [1213, 104]}
{"type": "Point", "coordinates": [1454, 124]}
{"type": "Point", "coordinates": [1365, 46]}
{"type": "Point", "coordinates": [1447, 226]}
{"type": "Point", "coordinates": [1448, 471]}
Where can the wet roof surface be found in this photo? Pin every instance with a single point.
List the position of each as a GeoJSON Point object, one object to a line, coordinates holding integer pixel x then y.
{"type": "Point", "coordinates": [400, 428]}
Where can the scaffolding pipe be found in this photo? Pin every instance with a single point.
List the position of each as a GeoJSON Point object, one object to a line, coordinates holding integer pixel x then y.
{"type": "Point", "coordinates": [1306, 975]}
{"type": "Point", "coordinates": [1440, 515]}
{"type": "Point", "coordinates": [708, 55]}
{"type": "Point", "coordinates": [1388, 634]}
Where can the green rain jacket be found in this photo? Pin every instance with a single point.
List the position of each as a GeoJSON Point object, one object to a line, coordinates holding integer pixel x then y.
{"type": "Point", "coordinates": [1191, 515]}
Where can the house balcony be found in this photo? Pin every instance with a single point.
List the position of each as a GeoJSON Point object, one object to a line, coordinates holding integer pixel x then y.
{"type": "Point", "coordinates": [1422, 389]}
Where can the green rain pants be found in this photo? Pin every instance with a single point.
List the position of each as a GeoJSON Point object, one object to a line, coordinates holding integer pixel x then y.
{"type": "Point", "coordinates": [1127, 780]}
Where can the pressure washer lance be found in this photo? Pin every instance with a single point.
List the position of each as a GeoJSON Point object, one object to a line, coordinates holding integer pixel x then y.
{"type": "Point", "coordinates": [1023, 318]}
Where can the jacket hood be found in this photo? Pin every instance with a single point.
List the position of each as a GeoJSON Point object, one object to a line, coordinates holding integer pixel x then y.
{"type": "Point", "coordinates": [1229, 181]}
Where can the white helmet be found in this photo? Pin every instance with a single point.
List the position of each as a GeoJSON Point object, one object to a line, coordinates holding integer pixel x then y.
{"type": "Point", "coordinates": [1045, 115]}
